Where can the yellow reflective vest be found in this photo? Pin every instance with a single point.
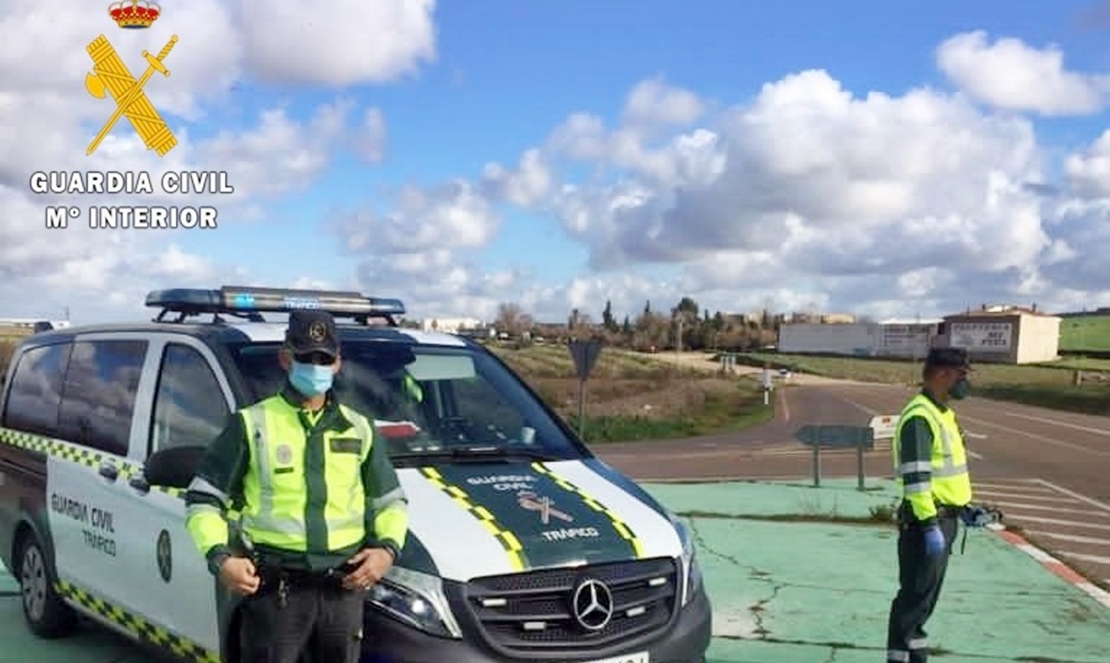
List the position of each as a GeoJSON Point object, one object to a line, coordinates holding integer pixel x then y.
{"type": "Point", "coordinates": [314, 488]}
{"type": "Point", "coordinates": [930, 461]}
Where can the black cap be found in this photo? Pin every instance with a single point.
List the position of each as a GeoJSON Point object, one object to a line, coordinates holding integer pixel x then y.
{"type": "Point", "coordinates": [948, 358]}
{"type": "Point", "coordinates": [312, 331]}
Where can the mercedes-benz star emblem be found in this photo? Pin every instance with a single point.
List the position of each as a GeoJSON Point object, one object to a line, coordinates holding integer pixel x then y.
{"type": "Point", "coordinates": [592, 604]}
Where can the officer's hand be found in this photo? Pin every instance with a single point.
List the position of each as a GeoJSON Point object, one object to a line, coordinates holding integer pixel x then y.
{"type": "Point", "coordinates": [370, 566]}
{"type": "Point", "coordinates": [239, 575]}
{"type": "Point", "coordinates": [934, 540]}
{"type": "Point", "coordinates": [974, 515]}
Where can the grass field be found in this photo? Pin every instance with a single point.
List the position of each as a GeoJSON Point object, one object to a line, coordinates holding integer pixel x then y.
{"type": "Point", "coordinates": [1090, 333]}
{"type": "Point", "coordinates": [631, 396]}
{"type": "Point", "coordinates": [1047, 385]}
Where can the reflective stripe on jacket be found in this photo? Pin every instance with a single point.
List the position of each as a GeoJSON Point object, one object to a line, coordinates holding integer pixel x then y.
{"type": "Point", "coordinates": [933, 471]}
{"type": "Point", "coordinates": [319, 487]}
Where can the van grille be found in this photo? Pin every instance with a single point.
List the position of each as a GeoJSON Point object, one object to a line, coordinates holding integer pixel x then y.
{"type": "Point", "coordinates": [532, 613]}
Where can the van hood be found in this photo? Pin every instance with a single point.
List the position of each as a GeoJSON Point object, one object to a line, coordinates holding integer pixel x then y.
{"type": "Point", "coordinates": [472, 520]}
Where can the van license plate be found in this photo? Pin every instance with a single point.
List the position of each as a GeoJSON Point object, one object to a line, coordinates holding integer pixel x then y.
{"type": "Point", "coordinates": [638, 657]}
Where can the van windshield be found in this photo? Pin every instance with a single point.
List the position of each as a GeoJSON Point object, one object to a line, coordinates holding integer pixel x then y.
{"type": "Point", "coordinates": [429, 402]}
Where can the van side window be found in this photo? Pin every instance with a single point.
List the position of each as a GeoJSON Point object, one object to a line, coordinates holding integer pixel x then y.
{"type": "Point", "coordinates": [99, 395]}
{"type": "Point", "coordinates": [36, 390]}
{"type": "Point", "coordinates": [189, 408]}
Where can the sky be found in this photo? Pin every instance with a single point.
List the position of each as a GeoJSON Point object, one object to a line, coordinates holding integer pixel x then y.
{"type": "Point", "coordinates": [889, 160]}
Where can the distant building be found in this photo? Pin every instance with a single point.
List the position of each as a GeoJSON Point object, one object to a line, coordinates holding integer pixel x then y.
{"type": "Point", "coordinates": [1004, 334]}
{"type": "Point", "coordinates": [451, 325]}
{"type": "Point", "coordinates": [819, 338]}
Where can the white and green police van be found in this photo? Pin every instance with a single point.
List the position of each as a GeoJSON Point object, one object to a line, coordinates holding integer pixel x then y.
{"type": "Point", "coordinates": [523, 546]}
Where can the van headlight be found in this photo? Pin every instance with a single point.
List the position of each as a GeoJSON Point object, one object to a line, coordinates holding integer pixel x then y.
{"type": "Point", "coordinates": [689, 560]}
{"type": "Point", "coordinates": [416, 599]}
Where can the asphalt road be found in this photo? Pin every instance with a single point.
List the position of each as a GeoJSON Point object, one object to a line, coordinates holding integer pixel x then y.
{"type": "Point", "coordinates": [1048, 471]}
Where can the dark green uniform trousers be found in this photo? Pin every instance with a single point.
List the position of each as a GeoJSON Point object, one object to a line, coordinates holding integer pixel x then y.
{"type": "Point", "coordinates": [920, 578]}
{"type": "Point", "coordinates": [313, 620]}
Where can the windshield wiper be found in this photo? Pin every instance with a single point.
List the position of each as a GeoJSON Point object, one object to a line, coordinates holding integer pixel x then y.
{"type": "Point", "coordinates": [478, 452]}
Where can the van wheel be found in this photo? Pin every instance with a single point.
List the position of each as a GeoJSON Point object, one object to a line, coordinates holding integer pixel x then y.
{"type": "Point", "coordinates": [46, 613]}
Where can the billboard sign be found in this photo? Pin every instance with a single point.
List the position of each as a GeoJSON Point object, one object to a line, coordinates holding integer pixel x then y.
{"type": "Point", "coordinates": [907, 339]}
{"type": "Point", "coordinates": [982, 336]}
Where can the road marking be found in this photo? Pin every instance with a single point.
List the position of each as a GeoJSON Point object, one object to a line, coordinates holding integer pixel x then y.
{"type": "Point", "coordinates": [1066, 523]}
{"type": "Point", "coordinates": [973, 454]}
{"type": "Point", "coordinates": [873, 413]}
{"type": "Point", "coordinates": [1097, 559]}
{"type": "Point", "coordinates": [1065, 500]}
{"type": "Point", "coordinates": [976, 436]}
{"type": "Point", "coordinates": [1007, 486]}
{"type": "Point", "coordinates": [1074, 538]}
{"type": "Point", "coordinates": [1058, 568]}
{"type": "Point", "coordinates": [1093, 502]}
{"type": "Point", "coordinates": [1057, 509]}
{"type": "Point", "coordinates": [1041, 438]}
{"type": "Point", "coordinates": [1057, 422]}
{"type": "Point", "coordinates": [1036, 553]}
{"type": "Point", "coordinates": [785, 405]}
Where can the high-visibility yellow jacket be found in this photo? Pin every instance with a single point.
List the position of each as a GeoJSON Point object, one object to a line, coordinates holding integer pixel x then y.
{"type": "Point", "coordinates": [930, 459]}
{"type": "Point", "coordinates": [311, 488]}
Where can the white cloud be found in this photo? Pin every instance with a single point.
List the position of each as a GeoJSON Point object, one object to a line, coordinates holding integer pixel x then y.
{"type": "Point", "coordinates": [653, 103]}
{"type": "Point", "coordinates": [338, 43]}
{"type": "Point", "coordinates": [526, 185]}
{"type": "Point", "coordinates": [50, 120]}
{"type": "Point", "coordinates": [1012, 75]}
{"type": "Point", "coordinates": [808, 196]}
{"type": "Point", "coordinates": [370, 141]}
{"type": "Point", "coordinates": [1089, 171]}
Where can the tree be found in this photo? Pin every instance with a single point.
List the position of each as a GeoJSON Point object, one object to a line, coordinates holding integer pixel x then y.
{"type": "Point", "coordinates": [509, 318]}
{"type": "Point", "coordinates": [607, 318]}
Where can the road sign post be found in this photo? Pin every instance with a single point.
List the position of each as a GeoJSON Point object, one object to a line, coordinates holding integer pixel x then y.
{"type": "Point", "coordinates": [584, 354]}
{"type": "Point", "coordinates": [861, 438]}
{"type": "Point", "coordinates": [817, 461]}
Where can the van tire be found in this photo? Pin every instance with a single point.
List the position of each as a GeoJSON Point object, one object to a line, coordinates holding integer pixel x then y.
{"type": "Point", "coordinates": [45, 611]}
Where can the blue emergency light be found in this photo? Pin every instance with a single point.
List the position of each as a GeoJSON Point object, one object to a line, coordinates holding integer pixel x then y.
{"type": "Point", "coordinates": [250, 302]}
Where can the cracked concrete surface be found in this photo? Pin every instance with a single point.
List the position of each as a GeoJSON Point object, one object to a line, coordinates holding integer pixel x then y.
{"type": "Point", "coordinates": [808, 592]}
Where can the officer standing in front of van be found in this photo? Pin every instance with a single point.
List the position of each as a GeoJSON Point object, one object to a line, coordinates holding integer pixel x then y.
{"type": "Point", "coordinates": [323, 514]}
{"type": "Point", "coordinates": [930, 461]}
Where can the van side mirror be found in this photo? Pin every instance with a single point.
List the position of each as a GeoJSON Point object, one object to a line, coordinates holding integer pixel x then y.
{"type": "Point", "coordinates": [173, 467]}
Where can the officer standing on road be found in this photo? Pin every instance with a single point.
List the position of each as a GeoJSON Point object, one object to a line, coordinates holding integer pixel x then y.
{"type": "Point", "coordinates": [323, 514]}
{"type": "Point", "coordinates": [930, 461]}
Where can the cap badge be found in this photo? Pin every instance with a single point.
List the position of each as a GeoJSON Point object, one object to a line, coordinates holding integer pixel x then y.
{"type": "Point", "coordinates": [316, 331]}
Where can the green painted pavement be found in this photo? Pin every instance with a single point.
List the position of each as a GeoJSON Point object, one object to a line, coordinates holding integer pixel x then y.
{"type": "Point", "coordinates": [7, 582]}
{"type": "Point", "coordinates": [837, 497]}
{"type": "Point", "coordinates": [797, 592]}
{"type": "Point", "coordinates": [806, 591]}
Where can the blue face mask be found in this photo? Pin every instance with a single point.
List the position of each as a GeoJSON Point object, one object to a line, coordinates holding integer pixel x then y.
{"type": "Point", "coordinates": [311, 379]}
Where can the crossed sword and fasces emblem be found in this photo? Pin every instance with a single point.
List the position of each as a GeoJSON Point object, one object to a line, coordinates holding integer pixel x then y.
{"type": "Point", "coordinates": [532, 502]}
{"type": "Point", "coordinates": [112, 75]}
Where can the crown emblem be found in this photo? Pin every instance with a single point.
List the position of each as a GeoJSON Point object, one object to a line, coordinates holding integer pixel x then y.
{"type": "Point", "coordinates": [135, 14]}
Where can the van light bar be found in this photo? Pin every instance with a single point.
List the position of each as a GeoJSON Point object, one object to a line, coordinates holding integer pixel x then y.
{"type": "Point", "coordinates": [246, 299]}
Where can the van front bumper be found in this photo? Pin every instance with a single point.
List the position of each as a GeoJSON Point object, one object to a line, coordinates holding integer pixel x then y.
{"type": "Point", "coordinates": [388, 641]}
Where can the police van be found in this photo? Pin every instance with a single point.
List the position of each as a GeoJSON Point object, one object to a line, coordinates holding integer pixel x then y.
{"type": "Point", "coordinates": [523, 546]}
